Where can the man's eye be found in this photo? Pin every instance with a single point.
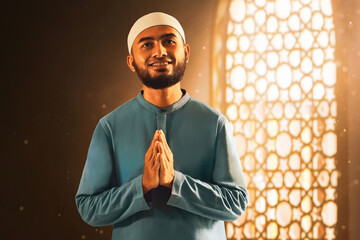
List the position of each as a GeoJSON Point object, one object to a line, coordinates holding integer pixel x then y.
{"type": "Point", "coordinates": [169, 41]}
{"type": "Point", "coordinates": [145, 45]}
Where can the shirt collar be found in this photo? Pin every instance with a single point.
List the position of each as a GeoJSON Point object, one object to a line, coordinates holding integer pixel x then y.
{"type": "Point", "coordinates": [181, 102]}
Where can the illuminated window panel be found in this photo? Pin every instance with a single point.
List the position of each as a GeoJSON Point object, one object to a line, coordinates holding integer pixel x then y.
{"type": "Point", "coordinates": [274, 75]}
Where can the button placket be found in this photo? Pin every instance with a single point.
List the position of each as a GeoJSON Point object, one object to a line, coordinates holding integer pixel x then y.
{"type": "Point", "coordinates": [161, 122]}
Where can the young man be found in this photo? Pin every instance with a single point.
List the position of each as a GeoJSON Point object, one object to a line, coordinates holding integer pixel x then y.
{"type": "Point", "coordinates": [163, 165]}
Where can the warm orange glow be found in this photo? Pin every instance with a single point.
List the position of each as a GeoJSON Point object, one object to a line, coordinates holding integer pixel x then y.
{"type": "Point", "coordinates": [275, 83]}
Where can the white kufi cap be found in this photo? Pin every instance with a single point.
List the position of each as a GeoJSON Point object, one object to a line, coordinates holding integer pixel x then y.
{"type": "Point", "coordinates": [150, 20]}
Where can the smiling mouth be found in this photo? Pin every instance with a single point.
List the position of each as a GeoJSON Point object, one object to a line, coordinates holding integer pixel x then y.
{"type": "Point", "coordinates": [157, 64]}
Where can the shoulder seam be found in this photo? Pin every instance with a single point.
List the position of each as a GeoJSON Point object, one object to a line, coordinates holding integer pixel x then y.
{"type": "Point", "coordinates": [105, 127]}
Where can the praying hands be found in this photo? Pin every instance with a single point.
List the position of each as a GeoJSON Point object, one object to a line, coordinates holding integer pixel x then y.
{"type": "Point", "coordinates": [158, 164]}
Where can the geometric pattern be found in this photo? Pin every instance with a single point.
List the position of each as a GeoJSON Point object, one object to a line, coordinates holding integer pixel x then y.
{"type": "Point", "coordinates": [273, 76]}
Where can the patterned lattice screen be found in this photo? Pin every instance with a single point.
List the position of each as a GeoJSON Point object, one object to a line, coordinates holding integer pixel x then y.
{"type": "Point", "coordinates": [274, 77]}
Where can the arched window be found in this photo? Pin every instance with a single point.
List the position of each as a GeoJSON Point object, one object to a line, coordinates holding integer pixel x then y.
{"type": "Point", "coordinates": [274, 75]}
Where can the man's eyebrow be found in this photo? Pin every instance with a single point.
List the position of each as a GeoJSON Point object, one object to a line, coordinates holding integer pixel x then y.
{"type": "Point", "coordinates": [152, 38]}
{"type": "Point", "coordinates": [145, 39]}
{"type": "Point", "coordinates": [168, 35]}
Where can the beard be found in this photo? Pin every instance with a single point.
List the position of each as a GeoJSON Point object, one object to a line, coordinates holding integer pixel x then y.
{"type": "Point", "coordinates": [161, 81]}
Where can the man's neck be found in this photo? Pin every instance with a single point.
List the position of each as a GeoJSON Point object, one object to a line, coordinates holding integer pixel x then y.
{"type": "Point", "coordinates": [162, 97]}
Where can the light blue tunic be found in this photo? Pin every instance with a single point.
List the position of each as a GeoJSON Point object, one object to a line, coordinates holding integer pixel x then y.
{"type": "Point", "coordinates": [208, 188]}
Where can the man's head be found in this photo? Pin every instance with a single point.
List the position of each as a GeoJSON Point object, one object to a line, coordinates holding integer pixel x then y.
{"type": "Point", "coordinates": [158, 52]}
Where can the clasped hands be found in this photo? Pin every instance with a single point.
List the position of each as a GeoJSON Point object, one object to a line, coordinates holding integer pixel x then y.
{"type": "Point", "coordinates": [158, 164]}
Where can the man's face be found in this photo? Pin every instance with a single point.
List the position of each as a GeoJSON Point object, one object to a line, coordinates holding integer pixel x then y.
{"type": "Point", "coordinates": [159, 57]}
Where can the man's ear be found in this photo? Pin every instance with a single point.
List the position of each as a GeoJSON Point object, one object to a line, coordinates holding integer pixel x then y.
{"type": "Point", "coordinates": [187, 52]}
{"type": "Point", "coordinates": [130, 62]}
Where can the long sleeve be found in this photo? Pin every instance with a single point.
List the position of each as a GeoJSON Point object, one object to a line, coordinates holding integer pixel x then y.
{"type": "Point", "coordinates": [225, 198]}
{"type": "Point", "coordinates": [99, 200]}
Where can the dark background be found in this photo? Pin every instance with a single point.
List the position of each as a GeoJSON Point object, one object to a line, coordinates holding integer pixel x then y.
{"type": "Point", "coordinates": [63, 67]}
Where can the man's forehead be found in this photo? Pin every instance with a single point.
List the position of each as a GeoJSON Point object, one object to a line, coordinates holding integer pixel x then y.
{"type": "Point", "coordinates": [152, 20]}
{"type": "Point", "coordinates": [158, 32]}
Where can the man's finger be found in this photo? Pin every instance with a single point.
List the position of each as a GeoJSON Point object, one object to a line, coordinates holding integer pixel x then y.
{"type": "Point", "coordinates": [164, 152]}
{"type": "Point", "coordinates": [161, 148]}
{"type": "Point", "coordinates": [163, 138]}
{"type": "Point", "coordinates": [166, 162]}
{"type": "Point", "coordinates": [163, 161]}
{"type": "Point", "coordinates": [155, 139]}
{"type": "Point", "coordinates": [150, 150]}
{"type": "Point", "coordinates": [156, 161]}
{"type": "Point", "coordinates": [154, 150]}
{"type": "Point", "coordinates": [166, 146]}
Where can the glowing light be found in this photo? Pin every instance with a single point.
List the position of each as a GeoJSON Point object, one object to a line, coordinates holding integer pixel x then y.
{"type": "Point", "coordinates": [282, 8]}
{"type": "Point", "coordinates": [294, 231]}
{"type": "Point", "coordinates": [318, 57]}
{"type": "Point", "coordinates": [260, 17]}
{"type": "Point", "coordinates": [294, 22]}
{"type": "Point", "coordinates": [272, 59]}
{"type": "Point", "coordinates": [272, 24]}
{"type": "Point", "coordinates": [283, 144]}
{"type": "Point", "coordinates": [232, 112]}
{"type": "Point", "coordinates": [232, 44]}
{"type": "Point", "coordinates": [244, 111]}
{"type": "Point", "coordinates": [294, 58]}
{"type": "Point", "coordinates": [279, 95]}
{"type": "Point", "coordinates": [318, 91]}
{"type": "Point", "coordinates": [306, 84]}
{"type": "Point", "coordinates": [306, 223]}
{"type": "Point", "coordinates": [295, 197]}
{"type": "Point", "coordinates": [272, 162]}
{"type": "Point", "coordinates": [260, 68]}
{"type": "Point", "coordinates": [249, 93]}
{"type": "Point", "coordinates": [306, 65]}
{"type": "Point", "coordinates": [261, 86]}
{"type": "Point", "coordinates": [329, 213]}
{"type": "Point", "coordinates": [272, 197]}
{"type": "Point", "coordinates": [305, 14]}
{"type": "Point", "coordinates": [244, 43]}
{"type": "Point", "coordinates": [290, 110]}
{"type": "Point", "coordinates": [295, 92]}
{"type": "Point", "coordinates": [306, 40]}
{"type": "Point", "coordinates": [289, 41]}
{"type": "Point", "coordinates": [306, 179]}
{"type": "Point", "coordinates": [238, 78]}
{"type": "Point", "coordinates": [323, 39]}
{"type": "Point", "coordinates": [249, 60]}
{"type": "Point", "coordinates": [229, 94]}
{"type": "Point", "coordinates": [326, 7]}
{"type": "Point", "coordinates": [329, 144]}
{"type": "Point", "coordinates": [273, 93]}
{"type": "Point", "coordinates": [329, 73]}
{"type": "Point", "coordinates": [240, 144]}
{"type": "Point", "coordinates": [277, 41]}
{"type": "Point", "coordinates": [260, 3]}
{"type": "Point", "coordinates": [249, 25]}
{"type": "Point", "coordinates": [261, 42]}
{"type": "Point", "coordinates": [317, 21]}
{"type": "Point", "coordinates": [283, 76]}
{"type": "Point", "coordinates": [272, 230]}
{"type": "Point", "coordinates": [273, 128]}
{"type": "Point", "coordinates": [283, 214]}
{"type": "Point", "coordinates": [306, 135]}
{"type": "Point", "coordinates": [237, 10]}
{"type": "Point", "coordinates": [289, 179]}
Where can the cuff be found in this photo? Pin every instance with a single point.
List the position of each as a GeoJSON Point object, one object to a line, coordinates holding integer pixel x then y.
{"type": "Point", "coordinates": [176, 187]}
{"type": "Point", "coordinates": [140, 194]}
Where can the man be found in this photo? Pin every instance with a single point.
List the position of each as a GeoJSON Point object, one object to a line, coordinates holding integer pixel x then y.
{"type": "Point", "coordinates": [163, 165]}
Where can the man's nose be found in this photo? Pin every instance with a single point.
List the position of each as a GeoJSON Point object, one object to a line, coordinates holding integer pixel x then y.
{"type": "Point", "coordinates": [159, 50]}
